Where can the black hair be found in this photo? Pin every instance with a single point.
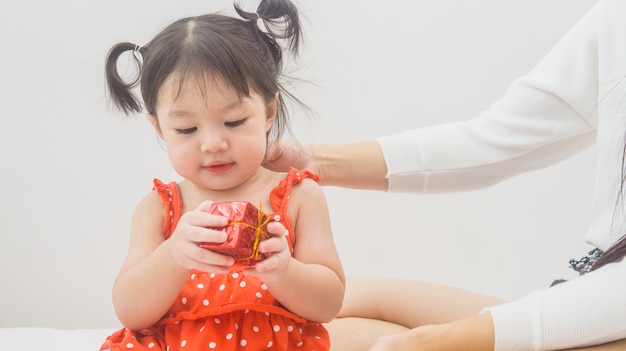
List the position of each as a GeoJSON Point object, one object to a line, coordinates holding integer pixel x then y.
{"type": "Point", "coordinates": [618, 250]}
{"type": "Point", "coordinates": [235, 50]}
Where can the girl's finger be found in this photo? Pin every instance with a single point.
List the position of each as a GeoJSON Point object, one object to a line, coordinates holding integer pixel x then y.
{"type": "Point", "coordinates": [212, 258]}
{"type": "Point", "coordinates": [276, 228]}
{"type": "Point", "coordinates": [201, 234]}
{"type": "Point", "coordinates": [205, 219]}
{"type": "Point", "coordinates": [271, 245]}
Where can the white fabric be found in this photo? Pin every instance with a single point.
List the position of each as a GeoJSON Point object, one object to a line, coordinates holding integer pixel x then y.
{"type": "Point", "coordinates": [40, 339]}
{"type": "Point", "coordinates": [576, 96]}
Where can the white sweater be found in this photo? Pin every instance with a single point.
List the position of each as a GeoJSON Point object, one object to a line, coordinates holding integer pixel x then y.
{"type": "Point", "coordinates": [576, 96]}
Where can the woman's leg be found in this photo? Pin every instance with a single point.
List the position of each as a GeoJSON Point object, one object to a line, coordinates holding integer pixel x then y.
{"type": "Point", "coordinates": [374, 307]}
{"type": "Point", "coordinates": [410, 303]}
{"type": "Point", "coordinates": [358, 334]}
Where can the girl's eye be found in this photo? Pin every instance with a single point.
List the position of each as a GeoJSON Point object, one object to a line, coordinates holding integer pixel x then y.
{"type": "Point", "coordinates": [186, 130]}
{"type": "Point", "coordinates": [236, 123]}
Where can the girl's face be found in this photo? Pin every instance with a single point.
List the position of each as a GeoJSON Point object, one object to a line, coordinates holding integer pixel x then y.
{"type": "Point", "coordinates": [214, 138]}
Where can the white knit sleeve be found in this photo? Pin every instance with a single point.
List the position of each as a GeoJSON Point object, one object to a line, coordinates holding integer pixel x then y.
{"type": "Point", "coordinates": [588, 310]}
{"type": "Point", "coordinates": [544, 117]}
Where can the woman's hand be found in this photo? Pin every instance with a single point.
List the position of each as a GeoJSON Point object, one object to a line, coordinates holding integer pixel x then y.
{"type": "Point", "coordinates": [282, 155]}
{"type": "Point", "coordinates": [194, 227]}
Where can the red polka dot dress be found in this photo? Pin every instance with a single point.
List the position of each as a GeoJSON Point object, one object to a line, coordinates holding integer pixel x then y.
{"type": "Point", "coordinates": [226, 311]}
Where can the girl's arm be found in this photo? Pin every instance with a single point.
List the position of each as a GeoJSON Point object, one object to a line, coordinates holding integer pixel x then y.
{"type": "Point", "coordinates": [310, 284]}
{"type": "Point", "coordinates": [155, 269]}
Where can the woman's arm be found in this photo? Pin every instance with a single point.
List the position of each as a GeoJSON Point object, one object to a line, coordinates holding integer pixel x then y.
{"type": "Point", "coordinates": [357, 165]}
{"type": "Point", "coordinates": [543, 118]}
{"type": "Point", "coordinates": [588, 310]}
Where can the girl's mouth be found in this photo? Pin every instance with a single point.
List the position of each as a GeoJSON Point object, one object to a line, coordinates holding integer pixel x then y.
{"type": "Point", "coordinates": [218, 167]}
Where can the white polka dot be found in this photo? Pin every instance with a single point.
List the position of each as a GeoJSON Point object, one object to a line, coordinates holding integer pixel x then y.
{"type": "Point", "coordinates": [217, 321]}
{"type": "Point", "coordinates": [270, 344]}
{"type": "Point", "coordinates": [277, 218]}
{"type": "Point", "coordinates": [243, 342]}
{"type": "Point", "coordinates": [183, 343]}
{"type": "Point", "coordinates": [259, 295]}
{"type": "Point", "coordinates": [201, 329]}
{"type": "Point", "coordinates": [242, 284]}
{"type": "Point", "coordinates": [205, 302]}
{"type": "Point", "coordinates": [184, 300]}
{"type": "Point", "coordinates": [276, 328]}
{"type": "Point", "coordinates": [286, 232]}
{"type": "Point", "coordinates": [235, 275]}
{"type": "Point", "coordinates": [193, 276]}
{"type": "Point", "coordinates": [300, 344]}
{"type": "Point", "coordinates": [150, 345]}
{"type": "Point", "coordinates": [263, 286]}
{"type": "Point", "coordinates": [130, 345]}
{"type": "Point", "coordinates": [222, 287]}
{"type": "Point", "coordinates": [229, 336]}
{"type": "Point", "coordinates": [236, 326]}
{"type": "Point", "coordinates": [255, 329]}
{"type": "Point", "coordinates": [290, 328]}
{"type": "Point", "coordinates": [212, 275]}
{"type": "Point", "coordinates": [212, 345]}
{"type": "Point", "coordinates": [200, 286]}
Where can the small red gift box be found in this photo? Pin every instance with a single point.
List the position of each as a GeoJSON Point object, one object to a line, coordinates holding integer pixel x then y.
{"type": "Point", "coordinates": [246, 228]}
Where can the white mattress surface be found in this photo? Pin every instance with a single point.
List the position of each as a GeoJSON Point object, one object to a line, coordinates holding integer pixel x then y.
{"type": "Point", "coordinates": [50, 339]}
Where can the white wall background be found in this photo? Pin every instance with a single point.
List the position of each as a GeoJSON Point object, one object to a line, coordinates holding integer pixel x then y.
{"type": "Point", "coordinates": [72, 169]}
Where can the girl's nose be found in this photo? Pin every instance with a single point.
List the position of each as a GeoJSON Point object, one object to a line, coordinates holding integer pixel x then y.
{"type": "Point", "coordinates": [213, 141]}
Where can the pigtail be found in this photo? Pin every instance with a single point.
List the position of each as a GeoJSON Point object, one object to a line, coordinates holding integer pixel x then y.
{"type": "Point", "coordinates": [281, 21]}
{"type": "Point", "coordinates": [120, 91]}
{"type": "Point", "coordinates": [276, 21]}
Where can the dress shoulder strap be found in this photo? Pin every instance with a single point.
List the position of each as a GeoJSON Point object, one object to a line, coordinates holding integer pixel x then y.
{"type": "Point", "coordinates": [172, 204]}
{"type": "Point", "coordinates": [279, 196]}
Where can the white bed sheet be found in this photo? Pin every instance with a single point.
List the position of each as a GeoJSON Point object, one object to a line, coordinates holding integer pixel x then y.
{"type": "Point", "coordinates": [50, 339]}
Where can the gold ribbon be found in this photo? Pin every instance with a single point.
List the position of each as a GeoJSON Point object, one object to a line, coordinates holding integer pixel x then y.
{"type": "Point", "coordinates": [259, 234]}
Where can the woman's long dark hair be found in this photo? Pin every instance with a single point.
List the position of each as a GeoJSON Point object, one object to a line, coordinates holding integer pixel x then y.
{"type": "Point", "coordinates": [618, 250]}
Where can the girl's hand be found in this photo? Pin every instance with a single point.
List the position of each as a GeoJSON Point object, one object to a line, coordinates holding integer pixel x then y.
{"type": "Point", "coordinates": [193, 229]}
{"type": "Point", "coordinates": [274, 267]}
